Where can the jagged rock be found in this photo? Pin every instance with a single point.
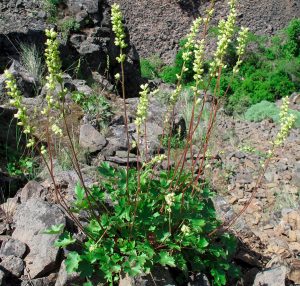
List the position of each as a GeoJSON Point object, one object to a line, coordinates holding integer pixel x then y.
{"type": "Point", "coordinates": [91, 139]}
{"type": "Point", "coordinates": [31, 219]}
{"type": "Point", "coordinates": [13, 265]}
{"type": "Point", "coordinates": [32, 189]}
{"type": "Point", "coordinates": [13, 247]}
{"type": "Point", "coordinates": [274, 276]}
{"type": "Point", "coordinates": [65, 279]}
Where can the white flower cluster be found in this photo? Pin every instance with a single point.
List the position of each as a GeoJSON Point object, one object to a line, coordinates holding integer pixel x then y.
{"type": "Point", "coordinates": [286, 122]}
{"type": "Point", "coordinates": [191, 37]}
{"type": "Point", "coordinates": [240, 49]}
{"type": "Point", "coordinates": [16, 101]}
{"type": "Point", "coordinates": [185, 229]}
{"type": "Point", "coordinates": [198, 62]}
{"type": "Point", "coordinates": [142, 109]}
{"type": "Point", "coordinates": [226, 29]}
{"type": "Point", "coordinates": [52, 60]}
{"type": "Point", "coordinates": [170, 199]}
{"type": "Point", "coordinates": [117, 27]}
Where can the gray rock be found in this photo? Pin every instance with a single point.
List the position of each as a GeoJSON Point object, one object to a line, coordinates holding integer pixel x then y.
{"type": "Point", "coordinates": [13, 265]}
{"type": "Point", "coordinates": [271, 277]}
{"type": "Point", "coordinates": [91, 139]}
{"type": "Point", "coordinates": [161, 277]}
{"type": "Point", "coordinates": [199, 280]}
{"type": "Point", "coordinates": [65, 279]}
{"type": "Point", "coordinates": [37, 282]}
{"type": "Point", "coordinates": [81, 86]}
{"type": "Point", "coordinates": [151, 140]}
{"type": "Point", "coordinates": [31, 190]}
{"type": "Point", "coordinates": [13, 247]}
{"type": "Point", "coordinates": [102, 81]}
{"type": "Point", "coordinates": [2, 277]}
{"type": "Point", "coordinates": [31, 219]}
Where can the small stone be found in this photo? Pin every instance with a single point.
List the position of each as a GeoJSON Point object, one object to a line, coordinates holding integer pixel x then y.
{"type": "Point", "coordinates": [13, 247]}
{"type": "Point", "coordinates": [268, 226]}
{"type": "Point", "coordinates": [13, 265]}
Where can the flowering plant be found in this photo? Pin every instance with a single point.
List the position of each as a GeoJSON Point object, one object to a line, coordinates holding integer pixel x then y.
{"type": "Point", "coordinates": [136, 218]}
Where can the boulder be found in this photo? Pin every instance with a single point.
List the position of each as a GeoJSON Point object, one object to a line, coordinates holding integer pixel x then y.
{"type": "Point", "coordinates": [31, 220]}
{"type": "Point", "coordinates": [91, 139]}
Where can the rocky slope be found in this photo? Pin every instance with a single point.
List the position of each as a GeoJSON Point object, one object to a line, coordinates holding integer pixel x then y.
{"type": "Point", "coordinates": [157, 26]}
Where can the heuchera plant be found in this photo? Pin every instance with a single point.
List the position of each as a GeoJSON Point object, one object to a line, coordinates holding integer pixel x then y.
{"type": "Point", "coordinates": [137, 218]}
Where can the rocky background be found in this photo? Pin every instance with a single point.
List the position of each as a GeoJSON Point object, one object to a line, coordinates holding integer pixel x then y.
{"type": "Point", "coordinates": [269, 232]}
{"type": "Point", "coordinates": [157, 26]}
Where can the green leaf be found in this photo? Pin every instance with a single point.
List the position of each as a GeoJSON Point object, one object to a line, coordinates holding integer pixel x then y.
{"type": "Point", "coordinates": [64, 240]}
{"type": "Point", "coordinates": [89, 283]}
{"type": "Point", "coordinates": [106, 170]}
{"type": "Point", "coordinates": [181, 262]}
{"type": "Point", "coordinates": [79, 191]}
{"type": "Point", "coordinates": [55, 229]}
{"type": "Point", "coordinates": [85, 268]}
{"type": "Point", "coordinates": [165, 259]}
{"type": "Point", "coordinates": [198, 223]}
{"type": "Point", "coordinates": [219, 277]}
{"type": "Point", "coordinates": [72, 262]}
{"type": "Point", "coordinates": [202, 243]}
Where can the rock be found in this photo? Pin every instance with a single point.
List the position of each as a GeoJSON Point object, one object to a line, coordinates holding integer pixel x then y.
{"type": "Point", "coordinates": [13, 265]}
{"type": "Point", "coordinates": [13, 247]}
{"type": "Point", "coordinates": [117, 138]}
{"type": "Point", "coordinates": [91, 139]}
{"type": "Point", "coordinates": [102, 81]}
{"type": "Point", "coordinates": [31, 219]}
{"type": "Point", "coordinates": [31, 190]}
{"type": "Point", "coordinates": [292, 236]}
{"type": "Point", "coordinates": [37, 282]}
{"type": "Point", "coordinates": [199, 280]}
{"type": "Point", "coordinates": [161, 276]}
{"type": "Point", "coordinates": [81, 86]}
{"type": "Point", "coordinates": [294, 274]}
{"type": "Point", "coordinates": [27, 84]}
{"type": "Point", "coordinates": [274, 276]}
{"type": "Point", "coordinates": [65, 279]}
{"type": "Point", "coordinates": [2, 277]}
{"type": "Point", "coordinates": [151, 141]}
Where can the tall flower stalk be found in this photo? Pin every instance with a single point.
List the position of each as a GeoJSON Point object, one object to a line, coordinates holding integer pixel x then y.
{"type": "Point", "coordinates": [119, 31]}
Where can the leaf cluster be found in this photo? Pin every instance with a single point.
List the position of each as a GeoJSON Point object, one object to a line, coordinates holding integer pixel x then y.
{"type": "Point", "coordinates": [138, 229]}
{"type": "Point", "coordinates": [96, 106]}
